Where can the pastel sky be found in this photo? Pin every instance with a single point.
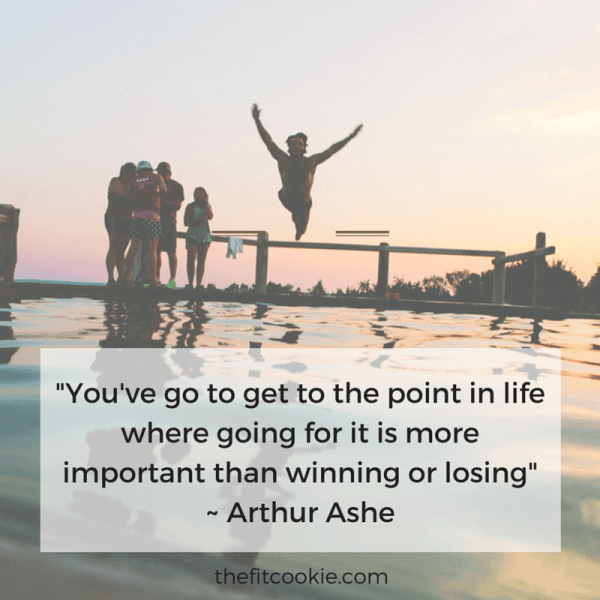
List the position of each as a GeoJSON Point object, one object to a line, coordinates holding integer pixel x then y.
{"type": "Point", "coordinates": [481, 126]}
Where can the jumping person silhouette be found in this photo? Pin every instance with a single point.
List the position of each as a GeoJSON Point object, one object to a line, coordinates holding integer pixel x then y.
{"type": "Point", "coordinates": [297, 171]}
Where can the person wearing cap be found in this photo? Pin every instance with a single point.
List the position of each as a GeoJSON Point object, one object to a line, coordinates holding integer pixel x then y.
{"type": "Point", "coordinates": [170, 204]}
{"type": "Point", "coordinates": [144, 193]}
{"type": "Point", "coordinates": [297, 171]}
{"type": "Point", "coordinates": [117, 221]}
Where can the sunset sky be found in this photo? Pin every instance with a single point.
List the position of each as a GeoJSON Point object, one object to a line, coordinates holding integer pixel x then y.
{"type": "Point", "coordinates": [481, 126]}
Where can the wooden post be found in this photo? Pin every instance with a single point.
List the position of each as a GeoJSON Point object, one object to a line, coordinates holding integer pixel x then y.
{"type": "Point", "coordinates": [9, 225]}
{"type": "Point", "coordinates": [539, 271]}
{"type": "Point", "coordinates": [383, 270]}
{"type": "Point", "coordinates": [262, 260]}
{"type": "Point", "coordinates": [499, 283]}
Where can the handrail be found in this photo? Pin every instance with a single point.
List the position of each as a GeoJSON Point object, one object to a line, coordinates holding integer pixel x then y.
{"type": "Point", "coordinates": [502, 260]}
{"type": "Point", "coordinates": [384, 250]}
{"type": "Point", "coordinates": [360, 247]}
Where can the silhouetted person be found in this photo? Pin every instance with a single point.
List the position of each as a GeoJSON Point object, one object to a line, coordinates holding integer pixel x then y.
{"type": "Point", "coordinates": [170, 204]}
{"type": "Point", "coordinates": [144, 193]}
{"type": "Point", "coordinates": [117, 221]}
{"type": "Point", "coordinates": [297, 171]}
{"type": "Point", "coordinates": [197, 238]}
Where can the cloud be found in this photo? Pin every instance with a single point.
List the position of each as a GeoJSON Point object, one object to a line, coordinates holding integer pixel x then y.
{"type": "Point", "coordinates": [577, 114]}
{"type": "Point", "coordinates": [573, 171]}
{"type": "Point", "coordinates": [585, 120]}
{"type": "Point", "coordinates": [566, 80]}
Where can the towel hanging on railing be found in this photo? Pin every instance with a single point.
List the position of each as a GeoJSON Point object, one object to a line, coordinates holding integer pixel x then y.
{"type": "Point", "coordinates": [235, 245]}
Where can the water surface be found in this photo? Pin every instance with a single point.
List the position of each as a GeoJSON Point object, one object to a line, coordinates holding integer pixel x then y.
{"type": "Point", "coordinates": [31, 325]}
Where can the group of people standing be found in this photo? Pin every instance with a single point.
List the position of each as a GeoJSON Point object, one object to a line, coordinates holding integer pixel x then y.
{"type": "Point", "coordinates": [143, 206]}
{"type": "Point", "coordinates": [142, 214]}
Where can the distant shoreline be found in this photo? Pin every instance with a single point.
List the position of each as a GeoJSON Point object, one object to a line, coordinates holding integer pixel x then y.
{"type": "Point", "coordinates": [31, 290]}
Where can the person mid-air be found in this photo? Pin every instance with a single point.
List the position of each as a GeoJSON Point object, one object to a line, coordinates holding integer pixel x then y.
{"type": "Point", "coordinates": [297, 171]}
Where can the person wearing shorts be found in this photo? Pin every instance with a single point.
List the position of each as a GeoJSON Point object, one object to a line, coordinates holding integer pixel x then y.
{"type": "Point", "coordinates": [117, 221]}
{"type": "Point", "coordinates": [144, 194]}
{"type": "Point", "coordinates": [198, 237]}
{"type": "Point", "coordinates": [170, 204]}
{"type": "Point", "coordinates": [297, 171]}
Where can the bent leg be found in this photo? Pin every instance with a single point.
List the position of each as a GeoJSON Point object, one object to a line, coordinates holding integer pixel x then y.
{"type": "Point", "coordinates": [286, 203]}
{"type": "Point", "coordinates": [300, 218]}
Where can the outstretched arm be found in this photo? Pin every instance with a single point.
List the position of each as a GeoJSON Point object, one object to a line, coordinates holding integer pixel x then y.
{"type": "Point", "coordinates": [323, 156]}
{"type": "Point", "coordinates": [276, 152]}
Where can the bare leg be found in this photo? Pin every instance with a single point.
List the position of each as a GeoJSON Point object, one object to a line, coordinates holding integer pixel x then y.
{"type": "Point", "coordinates": [116, 254]}
{"type": "Point", "coordinates": [111, 257]}
{"type": "Point", "coordinates": [300, 213]}
{"type": "Point", "coordinates": [130, 260]}
{"type": "Point", "coordinates": [158, 264]}
{"type": "Point", "coordinates": [121, 256]}
{"type": "Point", "coordinates": [150, 246]}
{"type": "Point", "coordinates": [202, 252]}
{"type": "Point", "coordinates": [300, 219]}
{"type": "Point", "coordinates": [192, 251]}
{"type": "Point", "coordinates": [285, 201]}
{"type": "Point", "coordinates": [172, 264]}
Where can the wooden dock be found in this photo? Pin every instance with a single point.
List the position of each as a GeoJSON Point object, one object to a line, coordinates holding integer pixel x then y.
{"type": "Point", "coordinates": [499, 260]}
{"type": "Point", "coordinates": [11, 291]}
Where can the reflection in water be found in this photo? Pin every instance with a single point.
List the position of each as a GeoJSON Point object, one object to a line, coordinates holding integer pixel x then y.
{"type": "Point", "coordinates": [261, 310]}
{"type": "Point", "coordinates": [289, 337]}
{"type": "Point", "coordinates": [191, 329]}
{"type": "Point", "coordinates": [142, 323]}
{"type": "Point", "coordinates": [249, 536]}
{"type": "Point", "coordinates": [6, 333]}
{"type": "Point", "coordinates": [131, 324]}
{"type": "Point", "coordinates": [535, 334]}
{"type": "Point", "coordinates": [135, 322]}
{"type": "Point", "coordinates": [107, 447]}
{"type": "Point", "coordinates": [496, 323]}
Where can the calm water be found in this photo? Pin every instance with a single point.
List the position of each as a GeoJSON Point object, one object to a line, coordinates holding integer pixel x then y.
{"type": "Point", "coordinates": [26, 327]}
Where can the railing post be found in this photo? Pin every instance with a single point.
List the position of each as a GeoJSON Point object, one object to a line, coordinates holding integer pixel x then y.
{"type": "Point", "coordinates": [262, 259]}
{"type": "Point", "coordinates": [9, 225]}
{"type": "Point", "coordinates": [383, 269]}
{"type": "Point", "coordinates": [539, 268]}
{"type": "Point", "coordinates": [498, 294]}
